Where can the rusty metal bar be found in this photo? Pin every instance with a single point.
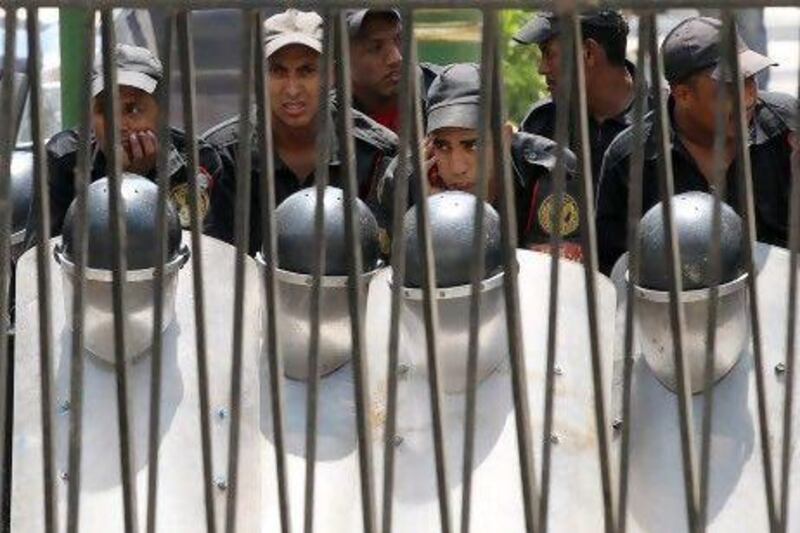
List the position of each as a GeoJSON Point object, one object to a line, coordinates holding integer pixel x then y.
{"type": "Point", "coordinates": [43, 270]}
{"type": "Point", "coordinates": [634, 215]}
{"type": "Point", "coordinates": [672, 256]}
{"type": "Point", "coordinates": [589, 246]}
{"type": "Point", "coordinates": [163, 97]}
{"type": "Point", "coordinates": [188, 103]}
{"type": "Point", "coordinates": [355, 267]}
{"type": "Point", "coordinates": [489, 42]}
{"type": "Point", "coordinates": [714, 274]}
{"type": "Point", "coordinates": [321, 180]}
{"type": "Point", "coordinates": [8, 135]}
{"type": "Point", "coordinates": [249, 28]}
{"type": "Point", "coordinates": [82, 177]}
{"type": "Point", "coordinates": [116, 212]}
{"type": "Point", "coordinates": [410, 120]}
{"type": "Point", "coordinates": [791, 342]}
{"type": "Point", "coordinates": [519, 381]}
{"type": "Point", "coordinates": [744, 179]}
{"type": "Point", "coordinates": [270, 251]}
{"type": "Point", "coordinates": [562, 135]}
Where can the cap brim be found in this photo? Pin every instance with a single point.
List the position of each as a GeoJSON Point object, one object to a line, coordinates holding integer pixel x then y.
{"type": "Point", "coordinates": [750, 63]}
{"type": "Point", "coordinates": [454, 116]}
{"type": "Point", "coordinates": [128, 78]}
{"type": "Point", "coordinates": [538, 30]}
{"type": "Point", "coordinates": [292, 38]}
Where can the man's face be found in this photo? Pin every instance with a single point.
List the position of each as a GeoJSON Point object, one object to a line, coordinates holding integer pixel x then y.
{"type": "Point", "coordinates": [699, 98]}
{"type": "Point", "coordinates": [294, 85]}
{"type": "Point", "coordinates": [138, 115]}
{"type": "Point", "coordinates": [550, 63]}
{"type": "Point", "coordinates": [375, 57]}
{"type": "Point", "coordinates": [456, 153]}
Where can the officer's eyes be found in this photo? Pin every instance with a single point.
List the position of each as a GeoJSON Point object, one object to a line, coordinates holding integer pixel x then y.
{"type": "Point", "coordinates": [470, 145]}
{"type": "Point", "coordinates": [307, 70]}
{"type": "Point", "coordinates": [132, 109]}
{"type": "Point", "coordinates": [441, 145]}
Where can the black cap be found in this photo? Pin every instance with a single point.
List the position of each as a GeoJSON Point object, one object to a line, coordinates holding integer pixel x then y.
{"type": "Point", "coordinates": [694, 45]}
{"type": "Point", "coordinates": [544, 26]}
{"type": "Point", "coordinates": [454, 98]}
{"type": "Point", "coordinates": [356, 17]}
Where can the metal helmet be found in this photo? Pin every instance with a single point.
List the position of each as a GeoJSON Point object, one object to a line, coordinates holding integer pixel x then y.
{"type": "Point", "coordinates": [21, 193]}
{"type": "Point", "coordinates": [451, 216]}
{"type": "Point", "coordinates": [295, 222]}
{"type": "Point", "coordinates": [141, 200]}
{"type": "Point", "coordinates": [693, 213]}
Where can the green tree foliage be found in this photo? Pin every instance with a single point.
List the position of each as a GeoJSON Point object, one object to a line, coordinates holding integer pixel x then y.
{"type": "Point", "coordinates": [524, 85]}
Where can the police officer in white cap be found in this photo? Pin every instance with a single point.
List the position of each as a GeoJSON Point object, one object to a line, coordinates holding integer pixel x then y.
{"type": "Point", "coordinates": [293, 44]}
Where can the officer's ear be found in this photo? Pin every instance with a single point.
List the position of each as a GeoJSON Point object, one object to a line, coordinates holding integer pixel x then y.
{"type": "Point", "coordinates": [593, 53]}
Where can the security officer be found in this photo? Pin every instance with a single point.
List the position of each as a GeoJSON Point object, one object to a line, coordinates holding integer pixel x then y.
{"type": "Point", "coordinates": [692, 55]}
{"type": "Point", "coordinates": [452, 163]}
{"type": "Point", "coordinates": [293, 45]}
{"type": "Point", "coordinates": [609, 78]}
{"type": "Point", "coordinates": [138, 74]}
{"type": "Point", "coordinates": [376, 63]}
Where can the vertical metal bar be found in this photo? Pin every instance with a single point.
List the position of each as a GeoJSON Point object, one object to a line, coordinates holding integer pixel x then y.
{"type": "Point", "coordinates": [410, 120]}
{"type": "Point", "coordinates": [788, 401]}
{"type": "Point", "coordinates": [589, 245]}
{"type": "Point", "coordinates": [559, 180]}
{"type": "Point", "coordinates": [43, 270]}
{"type": "Point", "coordinates": [672, 258]}
{"type": "Point", "coordinates": [270, 252]}
{"type": "Point", "coordinates": [249, 23]}
{"type": "Point", "coordinates": [7, 136]}
{"type": "Point", "coordinates": [188, 92]}
{"type": "Point", "coordinates": [714, 273]}
{"type": "Point", "coordinates": [321, 177]}
{"type": "Point", "coordinates": [117, 212]}
{"type": "Point", "coordinates": [489, 42]}
{"type": "Point", "coordinates": [519, 382]}
{"type": "Point", "coordinates": [163, 97]}
{"type": "Point", "coordinates": [744, 179]}
{"type": "Point", "coordinates": [355, 268]}
{"type": "Point", "coordinates": [82, 177]}
{"type": "Point", "coordinates": [634, 215]}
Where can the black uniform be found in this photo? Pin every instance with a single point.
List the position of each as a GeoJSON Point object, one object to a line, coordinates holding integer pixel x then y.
{"type": "Point", "coordinates": [374, 148]}
{"type": "Point", "coordinates": [770, 159]}
{"type": "Point", "coordinates": [541, 120]}
{"type": "Point", "coordinates": [533, 161]}
{"type": "Point", "coordinates": [62, 154]}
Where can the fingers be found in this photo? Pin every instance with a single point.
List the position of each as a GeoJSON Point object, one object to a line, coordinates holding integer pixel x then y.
{"type": "Point", "coordinates": [140, 152]}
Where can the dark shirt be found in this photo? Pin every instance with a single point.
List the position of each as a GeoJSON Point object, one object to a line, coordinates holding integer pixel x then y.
{"type": "Point", "coordinates": [541, 120]}
{"type": "Point", "coordinates": [533, 161]}
{"type": "Point", "coordinates": [62, 154]}
{"type": "Point", "coordinates": [374, 148]}
{"type": "Point", "coordinates": [770, 163]}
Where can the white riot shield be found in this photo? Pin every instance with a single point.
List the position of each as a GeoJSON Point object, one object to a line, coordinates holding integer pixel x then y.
{"type": "Point", "coordinates": [497, 501]}
{"type": "Point", "coordinates": [180, 488]}
{"type": "Point", "coordinates": [736, 499]}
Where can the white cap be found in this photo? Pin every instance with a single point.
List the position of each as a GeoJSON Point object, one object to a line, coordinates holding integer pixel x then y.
{"type": "Point", "coordinates": [293, 27]}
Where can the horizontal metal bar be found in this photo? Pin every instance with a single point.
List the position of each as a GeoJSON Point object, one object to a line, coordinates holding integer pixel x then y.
{"type": "Point", "coordinates": [413, 4]}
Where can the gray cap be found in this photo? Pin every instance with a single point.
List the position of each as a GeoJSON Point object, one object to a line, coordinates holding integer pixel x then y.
{"type": "Point", "coordinates": [136, 67]}
{"type": "Point", "coordinates": [454, 98]}
{"type": "Point", "coordinates": [356, 17]}
{"type": "Point", "coordinates": [694, 45]}
{"type": "Point", "coordinates": [293, 27]}
{"type": "Point", "coordinates": [545, 25]}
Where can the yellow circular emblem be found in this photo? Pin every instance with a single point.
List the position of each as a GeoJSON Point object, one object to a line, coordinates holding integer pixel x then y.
{"type": "Point", "coordinates": [570, 215]}
{"type": "Point", "coordinates": [179, 194]}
